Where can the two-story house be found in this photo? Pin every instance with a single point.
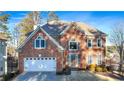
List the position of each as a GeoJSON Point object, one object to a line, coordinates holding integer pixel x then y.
{"type": "Point", "coordinates": [3, 54]}
{"type": "Point", "coordinates": [54, 45]}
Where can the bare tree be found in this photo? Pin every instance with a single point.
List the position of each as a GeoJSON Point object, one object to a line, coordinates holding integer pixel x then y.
{"type": "Point", "coordinates": [117, 38]}
{"type": "Point", "coordinates": [37, 17]}
{"type": "Point", "coordinates": [16, 35]}
{"type": "Point", "coordinates": [52, 16]}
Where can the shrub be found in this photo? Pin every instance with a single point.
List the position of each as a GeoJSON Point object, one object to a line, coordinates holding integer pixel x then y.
{"type": "Point", "coordinates": [67, 70]}
{"type": "Point", "coordinates": [92, 67]}
{"type": "Point", "coordinates": [104, 69]}
{"type": "Point", "coordinates": [84, 66]}
{"type": "Point", "coordinates": [98, 69]}
{"type": "Point", "coordinates": [7, 77]}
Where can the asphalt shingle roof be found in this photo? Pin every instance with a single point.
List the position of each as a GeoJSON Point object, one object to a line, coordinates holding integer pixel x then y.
{"type": "Point", "coordinates": [54, 29]}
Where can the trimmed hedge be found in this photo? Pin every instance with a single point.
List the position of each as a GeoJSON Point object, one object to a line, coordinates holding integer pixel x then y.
{"type": "Point", "coordinates": [92, 67]}
{"type": "Point", "coordinates": [98, 69]}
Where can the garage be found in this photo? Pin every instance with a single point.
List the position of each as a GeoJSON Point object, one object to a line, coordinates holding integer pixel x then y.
{"type": "Point", "coordinates": [40, 64]}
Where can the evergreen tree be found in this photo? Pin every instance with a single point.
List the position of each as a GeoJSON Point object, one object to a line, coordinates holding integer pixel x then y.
{"type": "Point", "coordinates": [3, 24]}
{"type": "Point", "coordinates": [27, 24]}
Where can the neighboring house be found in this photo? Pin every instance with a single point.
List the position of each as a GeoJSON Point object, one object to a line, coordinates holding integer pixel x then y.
{"type": "Point", "coordinates": [54, 45]}
{"type": "Point", "coordinates": [3, 54]}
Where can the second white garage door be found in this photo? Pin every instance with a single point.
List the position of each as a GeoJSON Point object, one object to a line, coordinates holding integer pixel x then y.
{"type": "Point", "coordinates": [40, 64]}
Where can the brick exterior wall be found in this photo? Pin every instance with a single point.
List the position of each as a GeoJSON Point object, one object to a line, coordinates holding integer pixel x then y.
{"type": "Point", "coordinates": [51, 50]}
{"type": "Point", "coordinates": [83, 51]}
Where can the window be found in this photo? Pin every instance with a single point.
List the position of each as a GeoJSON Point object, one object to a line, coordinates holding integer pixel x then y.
{"type": "Point", "coordinates": [89, 59]}
{"type": "Point", "coordinates": [89, 43]}
{"type": "Point", "coordinates": [1, 69]}
{"type": "Point", "coordinates": [99, 59]}
{"type": "Point", "coordinates": [73, 58]}
{"type": "Point", "coordinates": [40, 42]}
{"type": "Point", "coordinates": [37, 43]}
{"type": "Point", "coordinates": [99, 42]}
{"type": "Point", "coordinates": [73, 45]}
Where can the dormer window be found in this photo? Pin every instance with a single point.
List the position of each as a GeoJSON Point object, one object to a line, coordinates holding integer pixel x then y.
{"type": "Point", "coordinates": [73, 45]}
{"type": "Point", "coordinates": [99, 42]}
{"type": "Point", "coordinates": [89, 43]}
{"type": "Point", "coordinates": [40, 43]}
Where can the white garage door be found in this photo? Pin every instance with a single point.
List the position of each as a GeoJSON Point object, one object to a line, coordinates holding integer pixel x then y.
{"type": "Point", "coordinates": [40, 64]}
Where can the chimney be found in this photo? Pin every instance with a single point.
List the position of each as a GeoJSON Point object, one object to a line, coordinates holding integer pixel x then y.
{"type": "Point", "coordinates": [36, 18]}
{"type": "Point", "coordinates": [35, 26]}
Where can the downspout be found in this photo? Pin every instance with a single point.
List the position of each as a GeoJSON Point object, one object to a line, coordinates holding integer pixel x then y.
{"type": "Point", "coordinates": [5, 59]}
{"type": "Point", "coordinates": [62, 53]}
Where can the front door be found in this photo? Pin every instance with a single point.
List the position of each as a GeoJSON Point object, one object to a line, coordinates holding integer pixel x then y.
{"type": "Point", "coordinates": [73, 60]}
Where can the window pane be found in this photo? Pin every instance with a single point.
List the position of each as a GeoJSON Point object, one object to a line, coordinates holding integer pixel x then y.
{"type": "Point", "coordinates": [37, 43]}
{"type": "Point", "coordinates": [73, 45]}
{"type": "Point", "coordinates": [99, 43]}
{"type": "Point", "coordinates": [1, 69]}
{"type": "Point", "coordinates": [99, 59]}
{"type": "Point", "coordinates": [89, 43]}
{"type": "Point", "coordinates": [73, 57]}
{"type": "Point", "coordinates": [39, 37]}
{"type": "Point", "coordinates": [42, 43]}
{"type": "Point", "coordinates": [90, 59]}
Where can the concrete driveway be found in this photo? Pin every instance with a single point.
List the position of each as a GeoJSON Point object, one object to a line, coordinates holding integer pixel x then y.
{"type": "Point", "coordinates": [51, 76]}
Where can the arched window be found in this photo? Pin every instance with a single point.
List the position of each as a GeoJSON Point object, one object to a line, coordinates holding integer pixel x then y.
{"type": "Point", "coordinates": [40, 43]}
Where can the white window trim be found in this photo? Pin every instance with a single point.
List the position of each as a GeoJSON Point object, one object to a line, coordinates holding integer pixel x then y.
{"type": "Point", "coordinates": [100, 41]}
{"type": "Point", "coordinates": [91, 43]}
{"type": "Point", "coordinates": [40, 43]}
{"type": "Point", "coordinates": [75, 42]}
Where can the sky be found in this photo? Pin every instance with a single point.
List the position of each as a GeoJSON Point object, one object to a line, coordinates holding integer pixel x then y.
{"type": "Point", "coordinates": [102, 20]}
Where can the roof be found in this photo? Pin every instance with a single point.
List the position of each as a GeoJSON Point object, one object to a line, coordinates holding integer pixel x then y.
{"type": "Point", "coordinates": [87, 29]}
{"type": "Point", "coordinates": [55, 29]}
{"type": "Point", "coordinates": [3, 37]}
{"type": "Point", "coordinates": [36, 30]}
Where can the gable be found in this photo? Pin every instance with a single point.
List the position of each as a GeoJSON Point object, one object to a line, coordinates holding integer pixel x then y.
{"type": "Point", "coordinates": [33, 34]}
{"type": "Point", "coordinates": [85, 29]}
{"type": "Point", "coordinates": [55, 31]}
